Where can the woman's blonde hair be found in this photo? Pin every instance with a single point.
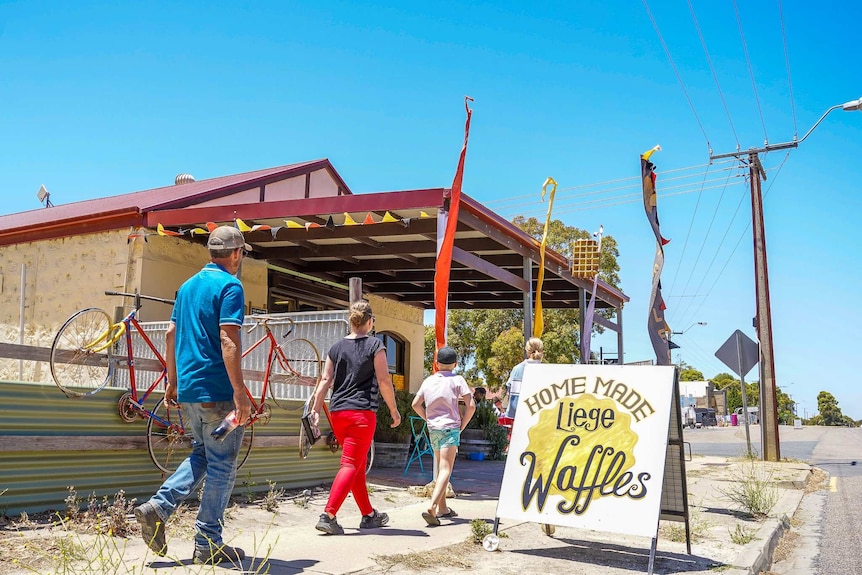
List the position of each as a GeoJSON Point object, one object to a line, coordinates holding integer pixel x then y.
{"type": "Point", "coordinates": [534, 348]}
{"type": "Point", "coordinates": [360, 313]}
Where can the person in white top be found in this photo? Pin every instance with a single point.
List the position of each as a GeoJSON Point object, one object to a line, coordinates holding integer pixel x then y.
{"type": "Point", "coordinates": [535, 350]}
{"type": "Point", "coordinates": [437, 403]}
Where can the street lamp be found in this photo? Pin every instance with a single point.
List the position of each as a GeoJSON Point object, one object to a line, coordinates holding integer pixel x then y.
{"type": "Point", "coordinates": [763, 319]}
{"type": "Point", "coordinates": [673, 333]}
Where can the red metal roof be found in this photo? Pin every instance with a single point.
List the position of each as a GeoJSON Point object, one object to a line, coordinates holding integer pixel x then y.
{"type": "Point", "coordinates": [115, 212]}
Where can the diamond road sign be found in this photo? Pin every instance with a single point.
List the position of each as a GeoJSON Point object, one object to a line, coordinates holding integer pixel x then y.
{"type": "Point", "coordinates": [740, 353]}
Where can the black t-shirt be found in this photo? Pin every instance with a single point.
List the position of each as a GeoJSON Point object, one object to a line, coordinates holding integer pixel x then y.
{"type": "Point", "coordinates": [354, 382]}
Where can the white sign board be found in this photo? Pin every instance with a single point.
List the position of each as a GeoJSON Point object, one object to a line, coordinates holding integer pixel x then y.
{"type": "Point", "coordinates": [588, 447]}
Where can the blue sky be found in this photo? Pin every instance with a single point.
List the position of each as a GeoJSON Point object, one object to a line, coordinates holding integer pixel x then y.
{"type": "Point", "coordinates": [98, 99]}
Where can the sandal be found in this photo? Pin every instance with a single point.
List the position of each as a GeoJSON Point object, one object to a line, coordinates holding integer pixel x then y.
{"type": "Point", "coordinates": [450, 513]}
{"type": "Point", "coordinates": [430, 519]}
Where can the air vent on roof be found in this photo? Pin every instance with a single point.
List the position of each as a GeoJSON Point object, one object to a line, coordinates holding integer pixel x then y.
{"type": "Point", "coordinates": [184, 179]}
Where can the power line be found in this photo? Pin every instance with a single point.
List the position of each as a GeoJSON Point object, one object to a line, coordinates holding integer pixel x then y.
{"type": "Point", "coordinates": [741, 236]}
{"type": "Point", "coordinates": [750, 69]}
{"type": "Point", "coordinates": [712, 69]}
{"type": "Point", "coordinates": [688, 233]}
{"type": "Point", "coordinates": [678, 77]}
{"type": "Point", "coordinates": [787, 64]}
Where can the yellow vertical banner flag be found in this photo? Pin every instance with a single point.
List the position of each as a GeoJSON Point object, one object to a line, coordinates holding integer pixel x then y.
{"type": "Point", "coordinates": [538, 320]}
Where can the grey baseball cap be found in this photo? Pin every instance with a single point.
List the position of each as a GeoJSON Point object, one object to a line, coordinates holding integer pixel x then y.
{"type": "Point", "coordinates": [227, 238]}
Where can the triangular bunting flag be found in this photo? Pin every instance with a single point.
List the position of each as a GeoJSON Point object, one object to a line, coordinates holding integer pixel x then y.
{"type": "Point", "coordinates": [163, 232]}
{"type": "Point", "coordinates": [274, 231]}
{"type": "Point", "coordinates": [423, 214]}
{"type": "Point", "coordinates": [198, 231]}
{"type": "Point", "coordinates": [387, 217]}
{"type": "Point", "coordinates": [348, 221]}
{"type": "Point", "coordinates": [368, 219]}
{"type": "Point", "coordinates": [310, 225]}
{"type": "Point", "coordinates": [211, 226]}
{"type": "Point", "coordinates": [293, 224]}
{"type": "Point", "coordinates": [330, 223]}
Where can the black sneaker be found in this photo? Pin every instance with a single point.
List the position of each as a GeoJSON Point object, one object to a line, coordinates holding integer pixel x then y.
{"type": "Point", "coordinates": [376, 519]}
{"type": "Point", "coordinates": [215, 554]}
{"type": "Point", "coordinates": [152, 528]}
{"type": "Point", "coordinates": [328, 525]}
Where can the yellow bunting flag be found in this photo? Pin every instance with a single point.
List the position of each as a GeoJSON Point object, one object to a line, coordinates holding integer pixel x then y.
{"type": "Point", "coordinates": [163, 232]}
{"type": "Point", "coordinates": [387, 217]}
{"type": "Point", "coordinates": [292, 224]}
{"type": "Point", "coordinates": [423, 214]}
{"type": "Point", "coordinates": [198, 231]}
{"type": "Point", "coordinates": [242, 226]}
{"type": "Point", "coordinates": [348, 221]}
{"type": "Point", "coordinates": [539, 321]}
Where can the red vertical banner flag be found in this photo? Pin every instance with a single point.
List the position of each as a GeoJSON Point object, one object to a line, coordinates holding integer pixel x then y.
{"type": "Point", "coordinates": [656, 324]}
{"type": "Point", "coordinates": [447, 223]}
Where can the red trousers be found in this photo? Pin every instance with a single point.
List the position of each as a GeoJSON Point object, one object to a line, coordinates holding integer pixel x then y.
{"type": "Point", "coordinates": [355, 431]}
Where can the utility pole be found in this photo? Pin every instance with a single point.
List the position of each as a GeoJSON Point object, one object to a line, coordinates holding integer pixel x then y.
{"type": "Point", "coordinates": [763, 319]}
{"type": "Point", "coordinates": [768, 395]}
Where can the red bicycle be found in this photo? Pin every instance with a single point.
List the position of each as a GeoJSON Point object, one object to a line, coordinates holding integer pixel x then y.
{"type": "Point", "coordinates": [83, 362]}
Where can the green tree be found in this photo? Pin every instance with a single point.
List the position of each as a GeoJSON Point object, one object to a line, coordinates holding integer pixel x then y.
{"type": "Point", "coordinates": [690, 374]}
{"type": "Point", "coordinates": [490, 342]}
{"type": "Point", "coordinates": [830, 413]}
{"type": "Point", "coordinates": [734, 391]}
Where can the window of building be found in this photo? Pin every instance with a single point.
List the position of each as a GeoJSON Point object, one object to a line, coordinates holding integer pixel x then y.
{"type": "Point", "coordinates": [395, 352]}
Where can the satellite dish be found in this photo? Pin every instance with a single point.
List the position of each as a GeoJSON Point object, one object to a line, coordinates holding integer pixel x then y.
{"type": "Point", "coordinates": [44, 196]}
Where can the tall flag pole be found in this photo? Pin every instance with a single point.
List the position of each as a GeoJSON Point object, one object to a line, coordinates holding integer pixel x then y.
{"type": "Point", "coordinates": [587, 328]}
{"type": "Point", "coordinates": [447, 223]}
{"type": "Point", "coordinates": [657, 326]}
{"type": "Point", "coordinates": [538, 319]}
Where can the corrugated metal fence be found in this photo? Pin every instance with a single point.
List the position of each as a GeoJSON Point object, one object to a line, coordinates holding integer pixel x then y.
{"type": "Point", "coordinates": [49, 442]}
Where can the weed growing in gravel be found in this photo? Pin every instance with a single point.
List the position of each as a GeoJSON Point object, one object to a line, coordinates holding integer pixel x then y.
{"type": "Point", "coordinates": [271, 499]}
{"type": "Point", "coordinates": [753, 491]}
{"type": "Point", "coordinates": [742, 535]}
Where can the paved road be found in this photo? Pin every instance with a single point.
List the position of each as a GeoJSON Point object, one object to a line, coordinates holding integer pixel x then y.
{"type": "Point", "coordinates": [796, 444]}
{"type": "Point", "coordinates": [840, 454]}
{"type": "Point", "coordinates": [829, 537]}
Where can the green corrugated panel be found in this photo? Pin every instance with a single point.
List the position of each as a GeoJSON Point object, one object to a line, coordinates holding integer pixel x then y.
{"type": "Point", "coordinates": [39, 480]}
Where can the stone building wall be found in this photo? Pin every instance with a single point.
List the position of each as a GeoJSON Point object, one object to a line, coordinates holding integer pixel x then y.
{"type": "Point", "coordinates": [67, 274]}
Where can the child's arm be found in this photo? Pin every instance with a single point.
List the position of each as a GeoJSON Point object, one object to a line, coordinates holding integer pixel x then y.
{"type": "Point", "coordinates": [417, 405]}
{"type": "Point", "coordinates": [471, 409]}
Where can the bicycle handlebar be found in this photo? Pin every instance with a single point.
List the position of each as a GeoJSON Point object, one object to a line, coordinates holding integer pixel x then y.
{"type": "Point", "coordinates": [138, 296]}
{"type": "Point", "coordinates": [264, 319]}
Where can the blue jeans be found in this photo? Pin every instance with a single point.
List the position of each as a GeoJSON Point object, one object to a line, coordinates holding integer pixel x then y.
{"type": "Point", "coordinates": [210, 459]}
{"type": "Point", "coordinates": [513, 405]}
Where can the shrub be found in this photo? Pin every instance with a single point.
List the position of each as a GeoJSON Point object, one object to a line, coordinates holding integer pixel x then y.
{"type": "Point", "coordinates": [400, 434]}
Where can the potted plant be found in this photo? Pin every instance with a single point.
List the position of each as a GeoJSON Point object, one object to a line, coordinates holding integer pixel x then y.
{"type": "Point", "coordinates": [392, 444]}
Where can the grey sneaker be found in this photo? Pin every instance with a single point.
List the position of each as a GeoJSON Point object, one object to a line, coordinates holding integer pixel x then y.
{"type": "Point", "coordinates": [329, 526]}
{"type": "Point", "coordinates": [215, 554]}
{"type": "Point", "coordinates": [152, 528]}
{"type": "Point", "coordinates": [376, 519]}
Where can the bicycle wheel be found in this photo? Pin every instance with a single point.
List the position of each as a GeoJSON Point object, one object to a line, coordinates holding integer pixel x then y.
{"type": "Point", "coordinates": [245, 448]}
{"type": "Point", "coordinates": [295, 362]}
{"type": "Point", "coordinates": [167, 440]}
{"type": "Point", "coordinates": [169, 444]}
{"type": "Point", "coordinates": [370, 461]}
{"type": "Point", "coordinates": [77, 370]}
{"type": "Point", "coordinates": [304, 442]}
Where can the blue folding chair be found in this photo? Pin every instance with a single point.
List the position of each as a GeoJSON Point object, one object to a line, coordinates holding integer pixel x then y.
{"type": "Point", "coordinates": [421, 442]}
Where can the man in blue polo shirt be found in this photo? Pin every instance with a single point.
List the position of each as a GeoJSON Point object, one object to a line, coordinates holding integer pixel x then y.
{"type": "Point", "coordinates": [203, 355]}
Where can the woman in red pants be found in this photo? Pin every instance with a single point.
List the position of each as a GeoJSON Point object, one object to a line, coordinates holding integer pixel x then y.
{"type": "Point", "coordinates": [356, 370]}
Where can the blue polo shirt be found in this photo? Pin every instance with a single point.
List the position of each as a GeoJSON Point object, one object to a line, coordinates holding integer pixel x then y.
{"type": "Point", "coordinates": [207, 300]}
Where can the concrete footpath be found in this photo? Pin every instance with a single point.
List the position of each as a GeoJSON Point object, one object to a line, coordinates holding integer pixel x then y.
{"type": "Point", "coordinates": [288, 544]}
